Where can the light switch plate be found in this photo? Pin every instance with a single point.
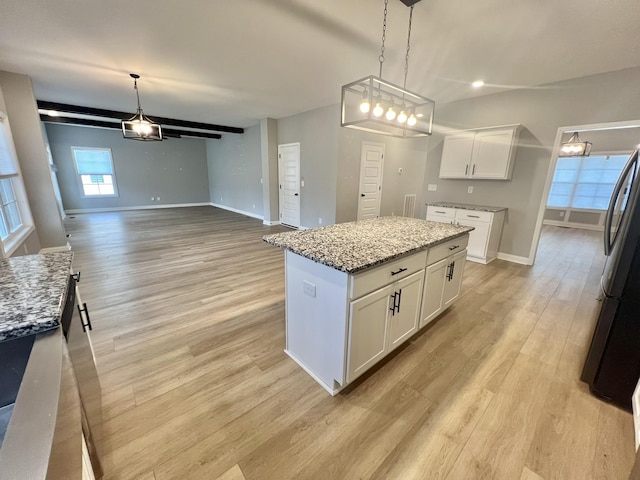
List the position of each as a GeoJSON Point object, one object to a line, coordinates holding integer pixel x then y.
{"type": "Point", "coordinates": [432, 187]}
{"type": "Point", "coordinates": [309, 288]}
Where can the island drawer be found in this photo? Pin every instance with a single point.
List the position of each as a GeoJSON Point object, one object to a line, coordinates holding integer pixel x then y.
{"type": "Point", "coordinates": [388, 272]}
{"type": "Point", "coordinates": [446, 249]}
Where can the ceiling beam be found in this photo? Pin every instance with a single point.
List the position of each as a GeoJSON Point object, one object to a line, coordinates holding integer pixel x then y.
{"type": "Point", "coordinates": [166, 132]}
{"type": "Point", "coordinates": [100, 112]}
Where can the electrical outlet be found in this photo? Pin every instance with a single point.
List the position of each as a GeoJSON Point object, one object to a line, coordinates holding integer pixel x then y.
{"type": "Point", "coordinates": [261, 181]}
{"type": "Point", "coordinates": [432, 187]}
{"type": "Point", "coordinates": [309, 288]}
{"type": "Point", "coordinates": [254, 205]}
{"type": "Point", "coordinates": [153, 198]}
{"type": "Point", "coordinates": [320, 220]}
{"type": "Point", "coordinates": [158, 199]}
{"type": "Point", "coordinates": [302, 183]}
{"type": "Point", "coordinates": [469, 189]}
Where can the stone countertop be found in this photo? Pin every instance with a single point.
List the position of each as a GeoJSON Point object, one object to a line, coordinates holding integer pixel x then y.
{"type": "Point", "coordinates": [33, 289]}
{"type": "Point", "coordinates": [479, 208]}
{"type": "Point", "coordinates": [355, 246]}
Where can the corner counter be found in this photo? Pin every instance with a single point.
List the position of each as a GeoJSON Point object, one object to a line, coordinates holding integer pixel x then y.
{"type": "Point", "coordinates": [356, 291]}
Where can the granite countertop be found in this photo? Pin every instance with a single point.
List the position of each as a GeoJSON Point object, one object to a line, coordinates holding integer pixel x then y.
{"type": "Point", "coordinates": [355, 246]}
{"type": "Point", "coordinates": [479, 208]}
{"type": "Point", "coordinates": [33, 289]}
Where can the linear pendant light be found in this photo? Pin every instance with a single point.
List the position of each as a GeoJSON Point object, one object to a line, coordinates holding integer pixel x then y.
{"type": "Point", "coordinates": [140, 127]}
{"type": "Point", "coordinates": [375, 105]}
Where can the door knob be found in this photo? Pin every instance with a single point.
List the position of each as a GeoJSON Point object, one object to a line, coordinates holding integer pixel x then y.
{"type": "Point", "coordinates": [296, 194]}
{"type": "Point", "coordinates": [362, 194]}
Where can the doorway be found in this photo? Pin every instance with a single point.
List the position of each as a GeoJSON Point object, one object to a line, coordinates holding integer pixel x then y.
{"type": "Point", "coordinates": [289, 184]}
{"type": "Point", "coordinates": [614, 137]}
{"type": "Point", "coordinates": [371, 168]}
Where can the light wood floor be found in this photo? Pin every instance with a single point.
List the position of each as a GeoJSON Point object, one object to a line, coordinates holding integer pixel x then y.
{"type": "Point", "coordinates": [188, 313]}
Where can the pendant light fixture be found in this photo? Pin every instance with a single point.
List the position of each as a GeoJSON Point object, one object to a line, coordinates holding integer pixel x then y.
{"type": "Point", "coordinates": [140, 127]}
{"type": "Point", "coordinates": [375, 105]}
{"type": "Point", "coordinates": [574, 147]}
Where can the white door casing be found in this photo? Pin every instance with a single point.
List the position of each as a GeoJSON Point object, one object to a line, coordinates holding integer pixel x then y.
{"type": "Point", "coordinates": [371, 167]}
{"type": "Point", "coordinates": [289, 184]}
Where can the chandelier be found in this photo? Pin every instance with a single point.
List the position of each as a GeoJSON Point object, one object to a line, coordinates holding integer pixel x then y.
{"type": "Point", "coordinates": [140, 127]}
{"type": "Point", "coordinates": [374, 105]}
{"type": "Point", "coordinates": [574, 147]}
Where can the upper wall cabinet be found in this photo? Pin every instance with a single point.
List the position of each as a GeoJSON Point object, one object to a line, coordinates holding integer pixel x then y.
{"type": "Point", "coordinates": [480, 154]}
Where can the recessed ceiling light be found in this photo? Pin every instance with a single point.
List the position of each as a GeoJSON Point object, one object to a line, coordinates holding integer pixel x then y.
{"type": "Point", "coordinates": [477, 84]}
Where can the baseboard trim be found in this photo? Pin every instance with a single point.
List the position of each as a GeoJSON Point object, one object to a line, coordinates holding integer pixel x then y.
{"type": "Point", "coordinates": [514, 258]}
{"type": "Point", "coordinates": [237, 210]}
{"type": "Point", "coordinates": [581, 226]}
{"type": "Point", "coordinates": [141, 207]}
{"type": "Point", "coordinates": [270, 224]}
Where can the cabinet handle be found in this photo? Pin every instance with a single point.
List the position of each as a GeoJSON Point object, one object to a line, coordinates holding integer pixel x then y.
{"type": "Point", "coordinates": [473, 171]}
{"type": "Point", "coordinates": [466, 169]}
{"type": "Point", "coordinates": [453, 247]}
{"type": "Point", "coordinates": [393, 307]}
{"type": "Point", "coordinates": [76, 276]}
{"type": "Point", "coordinates": [86, 312]}
{"type": "Point", "coordinates": [473, 216]}
{"type": "Point", "coordinates": [451, 267]}
{"type": "Point", "coordinates": [399, 271]}
{"type": "Point", "coordinates": [399, 299]}
{"type": "Point", "coordinates": [438, 211]}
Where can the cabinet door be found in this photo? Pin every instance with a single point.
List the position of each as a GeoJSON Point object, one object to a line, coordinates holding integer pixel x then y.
{"type": "Point", "coordinates": [491, 157]}
{"type": "Point", "coordinates": [453, 279]}
{"type": "Point", "coordinates": [478, 238]}
{"type": "Point", "coordinates": [432, 295]}
{"type": "Point", "coordinates": [367, 331]}
{"type": "Point", "coordinates": [456, 155]}
{"type": "Point", "coordinates": [403, 320]}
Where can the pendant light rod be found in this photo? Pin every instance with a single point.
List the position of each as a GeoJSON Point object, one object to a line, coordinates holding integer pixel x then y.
{"type": "Point", "coordinates": [135, 77]}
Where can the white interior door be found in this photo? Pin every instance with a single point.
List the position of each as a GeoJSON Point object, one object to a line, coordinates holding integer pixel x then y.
{"type": "Point", "coordinates": [371, 166]}
{"type": "Point", "coordinates": [289, 184]}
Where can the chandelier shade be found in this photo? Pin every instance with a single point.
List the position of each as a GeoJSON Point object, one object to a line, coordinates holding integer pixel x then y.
{"type": "Point", "coordinates": [140, 127]}
{"type": "Point", "coordinates": [374, 105]}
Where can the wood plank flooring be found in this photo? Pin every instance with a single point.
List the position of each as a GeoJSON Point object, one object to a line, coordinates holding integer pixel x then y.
{"type": "Point", "coordinates": [187, 307]}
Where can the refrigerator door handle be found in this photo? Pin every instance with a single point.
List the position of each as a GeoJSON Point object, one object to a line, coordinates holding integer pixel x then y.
{"type": "Point", "coordinates": [608, 245]}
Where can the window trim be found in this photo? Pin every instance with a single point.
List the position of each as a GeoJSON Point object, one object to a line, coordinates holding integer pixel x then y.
{"type": "Point", "coordinates": [79, 176]}
{"type": "Point", "coordinates": [15, 239]}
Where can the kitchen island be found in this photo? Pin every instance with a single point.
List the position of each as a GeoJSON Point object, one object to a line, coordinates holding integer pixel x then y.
{"type": "Point", "coordinates": [356, 291]}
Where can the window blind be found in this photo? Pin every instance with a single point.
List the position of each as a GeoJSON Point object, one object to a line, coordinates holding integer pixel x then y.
{"type": "Point", "coordinates": [93, 161]}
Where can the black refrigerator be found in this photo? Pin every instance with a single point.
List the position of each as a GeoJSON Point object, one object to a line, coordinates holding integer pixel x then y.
{"type": "Point", "coordinates": [612, 366]}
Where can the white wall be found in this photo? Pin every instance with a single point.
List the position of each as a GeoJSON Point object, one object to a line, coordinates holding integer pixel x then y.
{"type": "Point", "coordinates": [609, 97]}
{"type": "Point", "coordinates": [235, 168]}
{"type": "Point", "coordinates": [174, 169]}
{"type": "Point", "coordinates": [20, 106]}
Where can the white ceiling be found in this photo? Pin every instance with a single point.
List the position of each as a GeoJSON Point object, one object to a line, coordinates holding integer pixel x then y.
{"type": "Point", "coordinates": [233, 62]}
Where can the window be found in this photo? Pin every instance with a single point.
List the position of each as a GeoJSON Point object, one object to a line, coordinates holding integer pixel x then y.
{"type": "Point", "coordinates": [585, 182]}
{"type": "Point", "coordinates": [15, 217]}
{"type": "Point", "coordinates": [95, 171]}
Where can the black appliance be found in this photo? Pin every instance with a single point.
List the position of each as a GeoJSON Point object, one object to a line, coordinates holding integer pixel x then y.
{"type": "Point", "coordinates": [612, 366]}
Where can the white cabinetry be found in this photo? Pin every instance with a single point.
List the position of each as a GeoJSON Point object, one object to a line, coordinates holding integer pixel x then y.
{"type": "Point", "coordinates": [484, 240]}
{"type": "Point", "coordinates": [381, 321]}
{"type": "Point", "coordinates": [480, 154]}
{"type": "Point", "coordinates": [338, 325]}
{"type": "Point", "coordinates": [443, 281]}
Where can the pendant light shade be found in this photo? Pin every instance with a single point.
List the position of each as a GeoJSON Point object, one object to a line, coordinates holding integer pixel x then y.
{"type": "Point", "coordinates": [375, 105]}
{"type": "Point", "coordinates": [574, 147]}
{"type": "Point", "coordinates": [140, 127]}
